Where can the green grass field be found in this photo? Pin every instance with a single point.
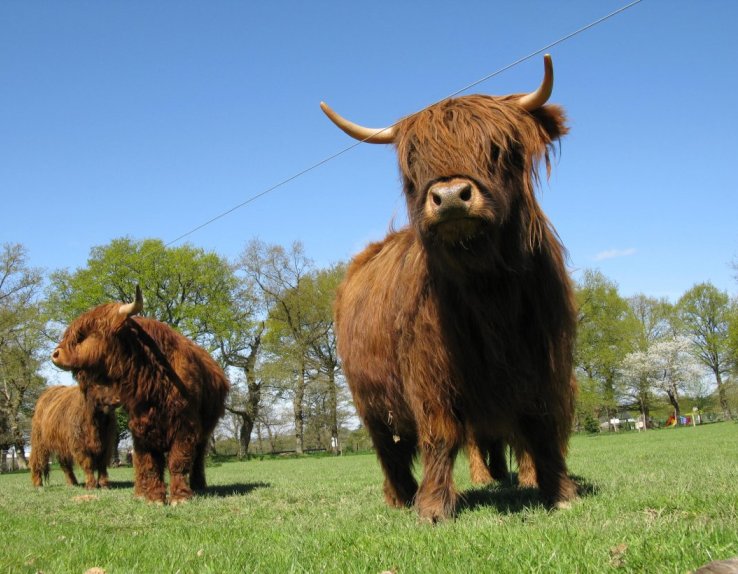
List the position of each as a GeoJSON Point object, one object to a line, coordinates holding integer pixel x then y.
{"type": "Point", "coordinates": [661, 501]}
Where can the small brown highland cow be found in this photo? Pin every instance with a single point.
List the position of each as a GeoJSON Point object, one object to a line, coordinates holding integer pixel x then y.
{"type": "Point", "coordinates": [173, 390]}
{"type": "Point", "coordinates": [78, 427]}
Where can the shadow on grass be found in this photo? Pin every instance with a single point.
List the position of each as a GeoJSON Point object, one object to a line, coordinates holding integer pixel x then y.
{"type": "Point", "coordinates": [224, 490]}
{"type": "Point", "coordinates": [220, 490]}
{"type": "Point", "coordinates": [120, 484]}
{"type": "Point", "coordinates": [508, 498]}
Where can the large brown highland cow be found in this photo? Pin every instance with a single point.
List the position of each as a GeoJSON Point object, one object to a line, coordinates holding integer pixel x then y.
{"type": "Point", "coordinates": [78, 427]}
{"type": "Point", "coordinates": [459, 329]}
{"type": "Point", "coordinates": [173, 390]}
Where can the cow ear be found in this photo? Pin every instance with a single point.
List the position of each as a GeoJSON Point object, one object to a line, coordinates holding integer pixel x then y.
{"type": "Point", "coordinates": [552, 119]}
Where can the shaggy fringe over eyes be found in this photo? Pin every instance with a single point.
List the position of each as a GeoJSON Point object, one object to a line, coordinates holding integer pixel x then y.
{"type": "Point", "coordinates": [478, 136]}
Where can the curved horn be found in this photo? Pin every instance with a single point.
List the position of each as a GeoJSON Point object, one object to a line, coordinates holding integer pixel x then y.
{"type": "Point", "coordinates": [369, 135]}
{"type": "Point", "coordinates": [536, 99]}
{"type": "Point", "coordinates": [133, 308]}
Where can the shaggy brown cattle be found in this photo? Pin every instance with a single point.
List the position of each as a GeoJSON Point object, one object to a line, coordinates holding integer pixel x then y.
{"type": "Point", "coordinates": [460, 327]}
{"type": "Point", "coordinates": [76, 426]}
{"type": "Point", "coordinates": [173, 390]}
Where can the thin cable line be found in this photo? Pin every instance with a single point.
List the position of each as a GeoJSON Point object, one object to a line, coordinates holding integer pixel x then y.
{"type": "Point", "coordinates": [352, 146]}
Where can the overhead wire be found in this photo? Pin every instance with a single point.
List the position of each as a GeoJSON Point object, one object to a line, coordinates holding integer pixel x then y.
{"type": "Point", "coordinates": [357, 143]}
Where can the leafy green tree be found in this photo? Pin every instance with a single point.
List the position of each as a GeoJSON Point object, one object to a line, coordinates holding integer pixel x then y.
{"type": "Point", "coordinates": [186, 287]}
{"type": "Point", "coordinates": [320, 292]}
{"type": "Point", "coordinates": [281, 277]}
{"type": "Point", "coordinates": [607, 332]}
{"type": "Point", "coordinates": [240, 349]}
{"type": "Point", "coordinates": [23, 346]}
{"type": "Point", "coordinates": [704, 313]}
{"type": "Point", "coordinates": [733, 337]}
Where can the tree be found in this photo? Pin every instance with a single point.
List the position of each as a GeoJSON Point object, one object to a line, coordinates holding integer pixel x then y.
{"type": "Point", "coordinates": [23, 346]}
{"type": "Point", "coordinates": [280, 275]}
{"type": "Point", "coordinates": [240, 349]}
{"type": "Point", "coordinates": [654, 322]}
{"type": "Point", "coordinates": [704, 313]}
{"type": "Point", "coordinates": [320, 292]}
{"type": "Point", "coordinates": [186, 287]}
{"type": "Point", "coordinates": [607, 332]}
{"type": "Point", "coordinates": [669, 367]}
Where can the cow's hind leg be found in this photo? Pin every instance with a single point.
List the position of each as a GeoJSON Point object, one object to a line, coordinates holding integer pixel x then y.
{"type": "Point", "coordinates": [39, 465]}
{"type": "Point", "coordinates": [67, 466]}
{"type": "Point", "coordinates": [396, 454]}
{"type": "Point", "coordinates": [478, 469]}
{"type": "Point", "coordinates": [149, 476]}
{"type": "Point", "coordinates": [487, 460]}
{"type": "Point", "coordinates": [526, 468]}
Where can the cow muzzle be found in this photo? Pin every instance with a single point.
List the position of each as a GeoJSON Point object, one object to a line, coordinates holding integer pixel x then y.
{"type": "Point", "coordinates": [57, 357]}
{"type": "Point", "coordinates": [454, 210]}
{"type": "Point", "coordinates": [453, 198]}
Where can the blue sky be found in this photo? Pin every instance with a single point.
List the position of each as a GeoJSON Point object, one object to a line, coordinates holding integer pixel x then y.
{"type": "Point", "coordinates": [147, 119]}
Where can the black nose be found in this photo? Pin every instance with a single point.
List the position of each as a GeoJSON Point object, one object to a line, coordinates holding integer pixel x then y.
{"type": "Point", "coordinates": [450, 196]}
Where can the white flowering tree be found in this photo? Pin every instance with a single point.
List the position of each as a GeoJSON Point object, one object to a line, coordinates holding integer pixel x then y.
{"type": "Point", "coordinates": [669, 367]}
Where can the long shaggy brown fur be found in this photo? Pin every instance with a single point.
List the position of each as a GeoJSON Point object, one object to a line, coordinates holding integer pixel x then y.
{"type": "Point", "coordinates": [173, 390]}
{"type": "Point", "coordinates": [77, 427]}
{"type": "Point", "coordinates": [459, 329]}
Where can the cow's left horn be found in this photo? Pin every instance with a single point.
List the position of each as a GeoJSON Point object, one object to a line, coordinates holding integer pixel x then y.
{"type": "Point", "coordinates": [536, 99]}
{"type": "Point", "coordinates": [133, 308]}
{"type": "Point", "coordinates": [361, 133]}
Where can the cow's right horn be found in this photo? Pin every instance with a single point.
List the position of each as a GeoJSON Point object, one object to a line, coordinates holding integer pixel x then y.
{"type": "Point", "coordinates": [133, 308]}
{"type": "Point", "coordinates": [536, 99]}
{"type": "Point", "coordinates": [361, 133]}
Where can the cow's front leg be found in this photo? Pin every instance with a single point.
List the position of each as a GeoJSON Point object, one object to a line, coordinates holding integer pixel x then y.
{"type": "Point", "coordinates": [149, 475]}
{"type": "Point", "coordinates": [181, 458]}
{"type": "Point", "coordinates": [436, 498]}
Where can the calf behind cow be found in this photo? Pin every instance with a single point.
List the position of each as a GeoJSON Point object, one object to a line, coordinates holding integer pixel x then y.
{"type": "Point", "coordinates": [78, 427]}
{"type": "Point", "coordinates": [173, 390]}
{"type": "Point", "coordinates": [459, 329]}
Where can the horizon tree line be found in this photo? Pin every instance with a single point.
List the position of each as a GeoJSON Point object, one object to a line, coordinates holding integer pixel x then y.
{"type": "Point", "coordinates": [267, 318]}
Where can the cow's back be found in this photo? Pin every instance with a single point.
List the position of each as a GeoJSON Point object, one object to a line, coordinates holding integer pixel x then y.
{"type": "Point", "coordinates": [57, 412]}
{"type": "Point", "coordinates": [194, 376]}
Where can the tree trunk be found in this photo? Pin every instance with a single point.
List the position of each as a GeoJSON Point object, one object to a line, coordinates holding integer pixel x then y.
{"type": "Point", "coordinates": [333, 411]}
{"type": "Point", "coordinates": [727, 415]}
{"type": "Point", "coordinates": [272, 439]}
{"type": "Point", "coordinates": [674, 400]}
{"type": "Point", "coordinates": [299, 410]}
{"type": "Point", "coordinates": [244, 435]}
